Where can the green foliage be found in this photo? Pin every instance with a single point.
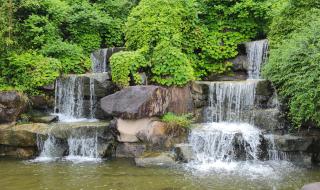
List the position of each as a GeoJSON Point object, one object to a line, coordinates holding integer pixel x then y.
{"type": "Point", "coordinates": [177, 125]}
{"type": "Point", "coordinates": [291, 16]}
{"type": "Point", "coordinates": [29, 71]}
{"type": "Point", "coordinates": [183, 121]}
{"type": "Point", "coordinates": [159, 36]}
{"type": "Point", "coordinates": [170, 66]}
{"type": "Point", "coordinates": [187, 39]}
{"type": "Point", "coordinates": [126, 64]}
{"type": "Point", "coordinates": [294, 68]}
{"type": "Point", "coordinates": [64, 31]}
{"type": "Point", "coordinates": [70, 55]}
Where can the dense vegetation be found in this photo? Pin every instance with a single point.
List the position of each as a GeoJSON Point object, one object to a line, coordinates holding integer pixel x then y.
{"type": "Point", "coordinates": [294, 63]}
{"type": "Point", "coordinates": [172, 42]}
{"type": "Point", "coordinates": [184, 40]}
{"type": "Point", "coordinates": [42, 39]}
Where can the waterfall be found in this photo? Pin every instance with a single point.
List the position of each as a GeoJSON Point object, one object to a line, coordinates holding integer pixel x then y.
{"type": "Point", "coordinates": [69, 98]}
{"type": "Point", "coordinates": [225, 142]}
{"type": "Point", "coordinates": [231, 101]}
{"type": "Point", "coordinates": [101, 57]}
{"type": "Point", "coordinates": [257, 55]}
{"type": "Point", "coordinates": [93, 99]}
{"type": "Point", "coordinates": [79, 148]}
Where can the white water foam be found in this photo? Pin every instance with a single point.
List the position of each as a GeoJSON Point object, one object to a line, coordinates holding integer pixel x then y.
{"type": "Point", "coordinates": [214, 146]}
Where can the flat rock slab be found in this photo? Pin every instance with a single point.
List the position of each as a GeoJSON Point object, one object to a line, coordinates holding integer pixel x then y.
{"type": "Point", "coordinates": [164, 159]}
{"type": "Point", "coordinates": [137, 102]}
{"type": "Point", "coordinates": [77, 129]}
{"type": "Point", "coordinates": [22, 135]}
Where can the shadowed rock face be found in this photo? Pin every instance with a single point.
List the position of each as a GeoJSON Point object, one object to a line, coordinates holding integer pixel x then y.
{"type": "Point", "coordinates": [12, 104]}
{"type": "Point", "coordinates": [137, 102]}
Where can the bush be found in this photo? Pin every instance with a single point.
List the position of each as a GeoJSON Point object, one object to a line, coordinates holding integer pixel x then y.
{"type": "Point", "coordinates": [125, 65]}
{"type": "Point", "coordinates": [71, 56]}
{"type": "Point", "coordinates": [294, 68]}
{"type": "Point", "coordinates": [29, 71]}
{"type": "Point", "coordinates": [170, 66]}
{"type": "Point", "coordinates": [177, 124]}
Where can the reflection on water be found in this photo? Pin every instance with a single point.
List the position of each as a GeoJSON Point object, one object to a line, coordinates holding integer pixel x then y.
{"type": "Point", "coordinates": [123, 175]}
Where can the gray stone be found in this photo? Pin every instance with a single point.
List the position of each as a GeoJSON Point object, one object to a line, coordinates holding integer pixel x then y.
{"type": "Point", "coordinates": [164, 159]}
{"type": "Point", "coordinates": [44, 119]}
{"type": "Point", "coordinates": [268, 119]}
{"type": "Point", "coordinates": [42, 102]}
{"type": "Point", "coordinates": [311, 186]}
{"type": "Point", "coordinates": [240, 63]}
{"type": "Point", "coordinates": [22, 135]}
{"type": "Point", "coordinates": [184, 152]}
{"type": "Point", "coordinates": [137, 102]}
{"type": "Point", "coordinates": [12, 104]}
{"type": "Point", "coordinates": [130, 150]}
{"type": "Point", "coordinates": [78, 129]}
{"type": "Point", "coordinates": [290, 143]}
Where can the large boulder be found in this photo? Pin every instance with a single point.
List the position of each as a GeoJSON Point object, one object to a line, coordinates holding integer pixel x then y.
{"type": "Point", "coordinates": [130, 150]}
{"type": "Point", "coordinates": [12, 104]}
{"type": "Point", "coordinates": [181, 101]}
{"type": "Point", "coordinates": [137, 102]}
{"type": "Point", "coordinates": [129, 129]}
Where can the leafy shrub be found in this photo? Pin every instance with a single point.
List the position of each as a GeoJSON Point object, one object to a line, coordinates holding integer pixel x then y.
{"type": "Point", "coordinates": [177, 124]}
{"type": "Point", "coordinates": [71, 56]}
{"type": "Point", "coordinates": [291, 16]}
{"type": "Point", "coordinates": [170, 66]}
{"type": "Point", "coordinates": [29, 71]}
{"type": "Point", "coordinates": [294, 68]}
{"type": "Point", "coordinates": [126, 64]}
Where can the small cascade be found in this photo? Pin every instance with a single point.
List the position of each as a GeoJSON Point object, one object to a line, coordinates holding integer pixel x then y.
{"type": "Point", "coordinates": [79, 148]}
{"type": "Point", "coordinates": [93, 99]}
{"type": "Point", "coordinates": [257, 54]}
{"type": "Point", "coordinates": [69, 98]}
{"type": "Point", "coordinates": [231, 101]}
{"type": "Point", "coordinates": [225, 142]}
{"type": "Point", "coordinates": [101, 57]}
{"type": "Point", "coordinates": [83, 148]}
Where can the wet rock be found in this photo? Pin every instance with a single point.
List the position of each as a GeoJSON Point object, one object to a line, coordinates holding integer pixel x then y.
{"type": "Point", "coordinates": [42, 102]}
{"type": "Point", "coordinates": [130, 150]}
{"type": "Point", "coordinates": [181, 101]}
{"type": "Point", "coordinates": [290, 143]}
{"type": "Point", "coordinates": [137, 102]}
{"type": "Point", "coordinates": [78, 129]}
{"type": "Point", "coordinates": [264, 92]}
{"type": "Point", "coordinates": [17, 152]}
{"type": "Point", "coordinates": [12, 104]}
{"type": "Point", "coordinates": [240, 63]}
{"type": "Point", "coordinates": [268, 119]}
{"type": "Point", "coordinates": [154, 135]}
{"type": "Point", "coordinates": [22, 135]}
{"type": "Point", "coordinates": [44, 119]}
{"type": "Point", "coordinates": [311, 186]}
{"type": "Point", "coordinates": [184, 152]}
{"type": "Point", "coordinates": [165, 159]}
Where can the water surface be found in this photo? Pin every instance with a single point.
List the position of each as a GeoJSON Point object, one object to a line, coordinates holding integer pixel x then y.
{"type": "Point", "coordinates": [124, 175]}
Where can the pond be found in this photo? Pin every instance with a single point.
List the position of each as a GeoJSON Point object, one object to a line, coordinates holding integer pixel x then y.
{"type": "Point", "coordinates": [122, 174]}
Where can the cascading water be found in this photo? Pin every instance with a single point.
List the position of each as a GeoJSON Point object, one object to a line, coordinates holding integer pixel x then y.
{"type": "Point", "coordinates": [229, 141]}
{"type": "Point", "coordinates": [231, 101]}
{"type": "Point", "coordinates": [69, 99]}
{"type": "Point", "coordinates": [257, 55]}
{"type": "Point", "coordinates": [79, 148]}
{"type": "Point", "coordinates": [100, 58]}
